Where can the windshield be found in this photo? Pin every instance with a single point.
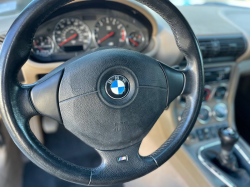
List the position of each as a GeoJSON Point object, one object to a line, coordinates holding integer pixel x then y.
{"type": "Point", "coordinates": [10, 7]}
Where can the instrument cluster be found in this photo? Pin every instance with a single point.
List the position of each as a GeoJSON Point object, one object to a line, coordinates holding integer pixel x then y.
{"type": "Point", "coordinates": [72, 33]}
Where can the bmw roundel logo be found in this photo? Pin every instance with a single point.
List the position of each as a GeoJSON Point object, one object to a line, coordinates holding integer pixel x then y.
{"type": "Point", "coordinates": [117, 87]}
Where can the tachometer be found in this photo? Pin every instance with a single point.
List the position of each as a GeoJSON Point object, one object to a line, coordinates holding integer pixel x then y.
{"type": "Point", "coordinates": [110, 32]}
{"type": "Point", "coordinates": [43, 46]}
{"type": "Point", "coordinates": [72, 34]}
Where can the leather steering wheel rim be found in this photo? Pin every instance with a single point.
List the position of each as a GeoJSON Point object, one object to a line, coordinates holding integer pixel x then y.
{"type": "Point", "coordinates": [17, 105]}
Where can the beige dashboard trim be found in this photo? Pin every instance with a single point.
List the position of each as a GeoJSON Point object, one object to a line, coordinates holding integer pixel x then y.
{"type": "Point", "coordinates": [32, 69]}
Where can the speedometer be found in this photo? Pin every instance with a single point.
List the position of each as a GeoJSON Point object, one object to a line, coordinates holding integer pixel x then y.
{"type": "Point", "coordinates": [110, 32]}
{"type": "Point", "coordinates": [72, 34]}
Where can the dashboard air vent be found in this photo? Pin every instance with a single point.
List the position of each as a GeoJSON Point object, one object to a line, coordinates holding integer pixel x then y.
{"type": "Point", "coordinates": [222, 48]}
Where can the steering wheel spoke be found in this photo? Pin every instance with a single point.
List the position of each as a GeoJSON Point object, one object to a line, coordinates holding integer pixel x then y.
{"type": "Point", "coordinates": [127, 164]}
{"type": "Point", "coordinates": [175, 82]}
{"type": "Point", "coordinates": [21, 102]}
{"type": "Point", "coordinates": [44, 96]}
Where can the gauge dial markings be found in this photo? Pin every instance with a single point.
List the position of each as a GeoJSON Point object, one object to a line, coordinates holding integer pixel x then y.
{"type": "Point", "coordinates": [136, 39]}
{"type": "Point", "coordinates": [110, 32]}
{"type": "Point", "coordinates": [41, 49]}
{"type": "Point", "coordinates": [72, 34]}
{"type": "Point", "coordinates": [42, 46]}
{"type": "Point", "coordinates": [134, 42]}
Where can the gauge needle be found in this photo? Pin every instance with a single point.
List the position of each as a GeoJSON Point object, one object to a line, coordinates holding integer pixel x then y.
{"type": "Point", "coordinates": [41, 49]}
{"type": "Point", "coordinates": [106, 37]}
{"type": "Point", "coordinates": [67, 40]}
{"type": "Point", "coordinates": [134, 42]}
{"type": "Point", "coordinates": [208, 95]}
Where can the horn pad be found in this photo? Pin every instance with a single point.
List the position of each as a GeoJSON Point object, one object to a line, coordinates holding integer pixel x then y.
{"type": "Point", "coordinates": [111, 98]}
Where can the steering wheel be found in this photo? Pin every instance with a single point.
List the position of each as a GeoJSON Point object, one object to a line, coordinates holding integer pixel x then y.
{"type": "Point", "coordinates": [109, 98]}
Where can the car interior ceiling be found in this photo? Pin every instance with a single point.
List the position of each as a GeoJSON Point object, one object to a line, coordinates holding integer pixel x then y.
{"type": "Point", "coordinates": [72, 42]}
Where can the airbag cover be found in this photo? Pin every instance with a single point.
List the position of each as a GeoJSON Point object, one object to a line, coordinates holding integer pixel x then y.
{"type": "Point", "coordinates": [117, 125]}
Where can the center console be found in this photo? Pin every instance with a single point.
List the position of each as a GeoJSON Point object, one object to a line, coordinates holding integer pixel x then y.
{"type": "Point", "coordinates": [214, 109]}
{"type": "Point", "coordinates": [220, 157]}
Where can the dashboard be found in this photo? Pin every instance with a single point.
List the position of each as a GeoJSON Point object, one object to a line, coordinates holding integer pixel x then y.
{"type": "Point", "coordinates": [73, 30]}
{"type": "Point", "coordinates": [224, 36]}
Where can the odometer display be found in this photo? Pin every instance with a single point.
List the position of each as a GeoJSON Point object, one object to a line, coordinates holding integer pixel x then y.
{"type": "Point", "coordinates": [72, 34]}
{"type": "Point", "coordinates": [110, 32]}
